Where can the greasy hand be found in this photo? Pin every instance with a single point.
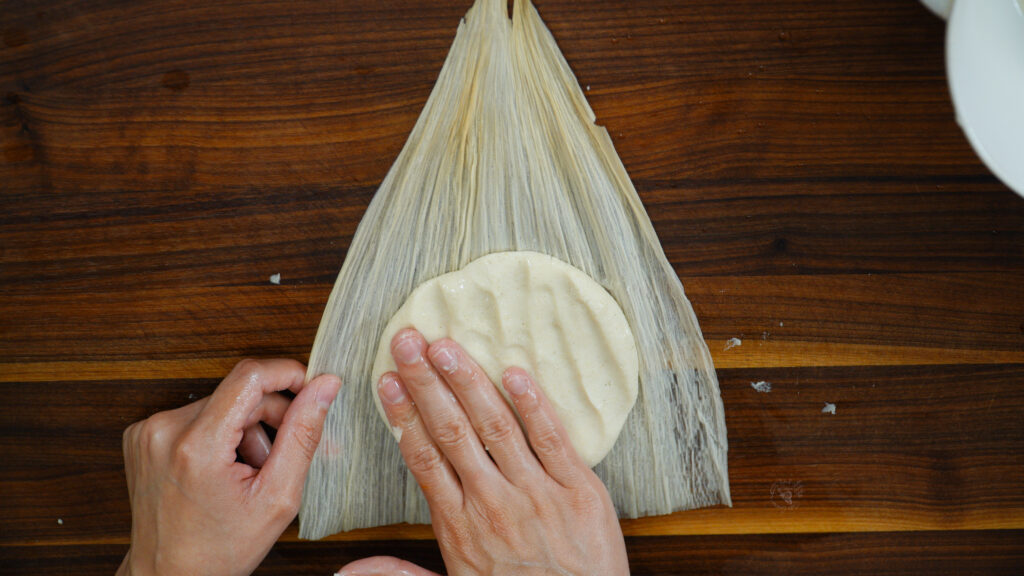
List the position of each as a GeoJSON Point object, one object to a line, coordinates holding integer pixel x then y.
{"type": "Point", "coordinates": [497, 507]}
{"type": "Point", "coordinates": [195, 509]}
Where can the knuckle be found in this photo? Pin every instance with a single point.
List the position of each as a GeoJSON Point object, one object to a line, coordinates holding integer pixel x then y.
{"type": "Point", "coordinates": [502, 525]}
{"type": "Point", "coordinates": [497, 429]}
{"type": "Point", "coordinates": [187, 455]}
{"type": "Point", "coordinates": [307, 437]}
{"type": "Point", "coordinates": [284, 507]}
{"type": "Point", "coordinates": [129, 435]}
{"type": "Point", "coordinates": [546, 441]}
{"type": "Point", "coordinates": [448, 511]}
{"type": "Point", "coordinates": [586, 499]}
{"type": "Point", "coordinates": [247, 368]}
{"type": "Point", "coordinates": [497, 516]}
{"type": "Point", "coordinates": [184, 453]}
{"type": "Point", "coordinates": [454, 533]}
{"type": "Point", "coordinates": [424, 459]}
{"type": "Point", "coordinates": [451, 433]}
{"type": "Point", "coordinates": [130, 442]}
{"type": "Point", "coordinates": [152, 434]}
{"type": "Point", "coordinates": [403, 416]}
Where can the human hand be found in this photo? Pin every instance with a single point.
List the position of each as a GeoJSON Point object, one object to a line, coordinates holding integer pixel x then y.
{"type": "Point", "coordinates": [195, 509]}
{"type": "Point", "coordinates": [510, 512]}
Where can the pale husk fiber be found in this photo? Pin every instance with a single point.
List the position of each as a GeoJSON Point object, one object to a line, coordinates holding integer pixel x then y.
{"type": "Point", "coordinates": [506, 156]}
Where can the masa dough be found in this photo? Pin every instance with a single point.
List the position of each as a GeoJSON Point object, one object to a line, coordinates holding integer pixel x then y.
{"type": "Point", "coordinates": [533, 311]}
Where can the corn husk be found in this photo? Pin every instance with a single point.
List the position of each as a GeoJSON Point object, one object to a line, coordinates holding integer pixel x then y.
{"type": "Point", "coordinates": [506, 156]}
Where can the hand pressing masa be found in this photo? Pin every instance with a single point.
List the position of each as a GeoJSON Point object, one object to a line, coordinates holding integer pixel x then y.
{"type": "Point", "coordinates": [196, 510]}
{"type": "Point", "coordinates": [510, 512]}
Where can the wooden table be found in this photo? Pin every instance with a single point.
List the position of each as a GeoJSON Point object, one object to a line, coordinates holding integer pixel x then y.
{"type": "Point", "coordinates": [800, 160]}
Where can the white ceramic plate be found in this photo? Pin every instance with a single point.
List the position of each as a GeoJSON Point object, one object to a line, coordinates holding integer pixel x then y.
{"type": "Point", "coordinates": [940, 8]}
{"type": "Point", "coordinates": [985, 66]}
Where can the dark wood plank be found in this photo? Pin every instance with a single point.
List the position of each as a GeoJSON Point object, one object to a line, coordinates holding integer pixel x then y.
{"type": "Point", "coordinates": [218, 136]}
{"type": "Point", "coordinates": [150, 239]}
{"type": "Point", "coordinates": [971, 311]}
{"type": "Point", "coordinates": [816, 227]}
{"type": "Point", "coordinates": [960, 553]}
{"type": "Point", "coordinates": [920, 447]}
{"type": "Point", "coordinates": [307, 94]}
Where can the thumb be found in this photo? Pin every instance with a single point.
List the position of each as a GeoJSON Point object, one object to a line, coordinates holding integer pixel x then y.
{"type": "Point", "coordinates": [286, 467]}
{"type": "Point", "coordinates": [383, 566]}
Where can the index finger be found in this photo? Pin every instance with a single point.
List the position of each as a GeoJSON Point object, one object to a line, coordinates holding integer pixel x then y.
{"type": "Point", "coordinates": [241, 392]}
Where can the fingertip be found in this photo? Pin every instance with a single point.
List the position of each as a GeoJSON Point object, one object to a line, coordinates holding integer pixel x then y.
{"type": "Point", "coordinates": [327, 387]}
{"type": "Point", "coordinates": [409, 333]}
{"type": "Point", "coordinates": [251, 379]}
{"type": "Point", "coordinates": [445, 342]}
{"type": "Point", "coordinates": [334, 378]}
{"type": "Point", "coordinates": [299, 436]}
{"type": "Point", "coordinates": [255, 446]}
{"type": "Point", "coordinates": [407, 346]}
{"type": "Point", "coordinates": [382, 565]}
{"type": "Point", "coordinates": [391, 389]}
{"type": "Point", "coordinates": [444, 355]}
{"type": "Point", "coordinates": [516, 381]}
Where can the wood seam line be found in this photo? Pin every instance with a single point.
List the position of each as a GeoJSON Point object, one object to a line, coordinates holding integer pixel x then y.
{"type": "Point", "coordinates": [755, 353]}
{"type": "Point", "coordinates": [689, 523]}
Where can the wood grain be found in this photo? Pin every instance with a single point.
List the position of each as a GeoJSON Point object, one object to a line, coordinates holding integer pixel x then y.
{"type": "Point", "coordinates": [931, 460]}
{"type": "Point", "coordinates": [800, 162]}
{"type": "Point", "coordinates": [985, 553]}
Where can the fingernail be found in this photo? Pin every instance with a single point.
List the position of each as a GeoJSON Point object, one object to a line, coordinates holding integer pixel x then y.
{"type": "Point", "coordinates": [407, 350]}
{"type": "Point", "coordinates": [391, 389]}
{"type": "Point", "coordinates": [516, 383]}
{"type": "Point", "coordinates": [326, 392]}
{"type": "Point", "coordinates": [445, 360]}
